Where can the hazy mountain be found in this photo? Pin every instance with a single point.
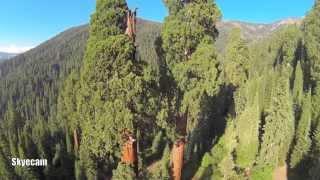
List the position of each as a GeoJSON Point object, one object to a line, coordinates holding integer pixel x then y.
{"type": "Point", "coordinates": [4, 55]}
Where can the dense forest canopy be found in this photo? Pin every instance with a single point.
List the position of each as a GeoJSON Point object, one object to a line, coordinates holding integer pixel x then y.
{"type": "Point", "coordinates": [130, 99]}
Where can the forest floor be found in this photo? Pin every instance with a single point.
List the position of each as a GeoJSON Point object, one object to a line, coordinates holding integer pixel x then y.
{"type": "Point", "coordinates": [280, 173]}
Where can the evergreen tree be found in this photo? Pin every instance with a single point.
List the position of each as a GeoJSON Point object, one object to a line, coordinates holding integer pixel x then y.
{"type": "Point", "coordinates": [236, 59]}
{"type": "Point", "coordinates": [302, 137]}
{"type": "Point", "coordinates": [315, 106]}
{"type": "Point", "coordinates": [115, 95]}
{"type": "Point", "coordinates": [311, 28]}
{"type": "Point", "coordinates": [298, 85]}
{"type": "Point", "coordinates": [6, 171]}
{"type": "Point", "coordinates": [188, 36]}
{"type": "Point", "coordinates": [279, 125]}
{"type": "Point", "coordinates": [247, 128]}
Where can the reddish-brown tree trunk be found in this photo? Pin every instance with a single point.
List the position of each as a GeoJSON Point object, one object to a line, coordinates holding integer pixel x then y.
{"type": "Point", "coordinates": [75, 140]}
{"type": "Point", "coordinates": [177, 153]}
{"type": "Point", "coordinates": [177, 159]}
{"type": "Point", "coordinates": [129, 152]}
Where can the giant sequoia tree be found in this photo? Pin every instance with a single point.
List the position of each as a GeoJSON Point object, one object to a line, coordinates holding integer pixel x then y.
{"type": "Point", "coordinates": [114, 99]}
{"type": "Point", "coordinates": [188, 37]}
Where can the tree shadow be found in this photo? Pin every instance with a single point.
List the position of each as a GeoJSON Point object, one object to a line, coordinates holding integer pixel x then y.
{"type": "Point", "coordinates": [209, 129]}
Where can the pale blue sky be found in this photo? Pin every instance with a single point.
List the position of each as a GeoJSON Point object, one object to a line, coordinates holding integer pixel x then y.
{"type": "Point", "coordinates": [26, 23]}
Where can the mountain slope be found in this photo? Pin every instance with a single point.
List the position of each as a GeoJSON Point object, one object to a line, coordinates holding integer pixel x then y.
{"type": "Point", "coordinates": [40, 71]}
{"type": "Point", "coordinates": [251, 31]}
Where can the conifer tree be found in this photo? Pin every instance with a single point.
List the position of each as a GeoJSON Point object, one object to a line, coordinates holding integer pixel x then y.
{"type": "Point", "coordinates": [236, 59]}
{"type": "Point", "coordinates": [279, 125]}
{"type": "Point", "coordinates": [298, 85]}
{"type": "Point", "coordinates": [188, 37]}
{"type": "Point", "coordinates": [315, 163]}
{"type": "Point", "coordinates": [115, 97]}
{"type": "Point", "coordinates": [302, 137]}
{"type": "Point", "coordinates": [6, 171]}
{"type": "Point", "coordinates": [311, 29]}
{"type": "Point", "coordinates": [247, 128]}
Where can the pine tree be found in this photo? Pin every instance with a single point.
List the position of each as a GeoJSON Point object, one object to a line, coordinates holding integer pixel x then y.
{"type": "Point", "coordinates": [67, 110]}
{"type": "Point", "coordinates": [302, 137]}
{"type": "Point", "coordinates": [315, 106]}
{"type": "Point", "coordinates": [311, 29]}
{"type": "Point", "coordinates": [247, 128]}
{"type": "Point", "coordinates": [298, 85]}
{"type": "Point", "coordinates": [236, 59]}
{"type": "Point", "coordinates": [279, 125]}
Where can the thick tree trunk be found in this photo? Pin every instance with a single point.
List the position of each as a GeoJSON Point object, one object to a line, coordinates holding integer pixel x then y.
{"type": "Point", "coordinates": [129, 152]}
{"type": "Point", "coordinates": [178, 147]}
{"type": "Point", "coordinates": [177, 159]}
{"type": "Point", "coordinates": [75, 140]}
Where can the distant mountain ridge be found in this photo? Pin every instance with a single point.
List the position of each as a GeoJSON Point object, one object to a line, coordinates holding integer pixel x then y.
{"type": "Point", "coordinates": [52, 61]}
{"type": "Point", "coordinates": [259, 30]}
{"type": "Point", "coordinates": [4, 55]}
{"type": "Point", "coordinates": [251, 31]}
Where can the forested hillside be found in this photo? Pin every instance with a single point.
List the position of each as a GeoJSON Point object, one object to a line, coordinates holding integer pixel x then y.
{"type": "Point", "coordinates": [192, 98]}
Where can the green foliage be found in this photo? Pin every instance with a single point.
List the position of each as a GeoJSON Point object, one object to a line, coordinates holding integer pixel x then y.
{"type": "Point", "coordinates": [298, 85]}
{"type": "Point", "coordinates": [311, 28]}
{"type": "Point", "coordinates": [124, 172]}
{"type": "Point", "coordinates": [116, 91]}
{"type": "Point", "coordinates": [236, 59]}
{"type": "Point", "coordinates": [262, 173]}
{"type": "Point", "coordinates": [42, 102]}
{"type": "Point", "coordinates": [279, 124]}
{"type": "Point", "coordinates": [163, 171]}
{"type": "Point", "coordinates": [157, 143]}
{"type": "Point", "coordinates": [315, 104]}
{"type": "Point", "coordinates": [247, 128]}
{"type": "Point", "coordinates": [218, 163]}
{"type": "Point", "coordinates": [188, 36]}
{"type": "Point", "coordinates": [302, 137]}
